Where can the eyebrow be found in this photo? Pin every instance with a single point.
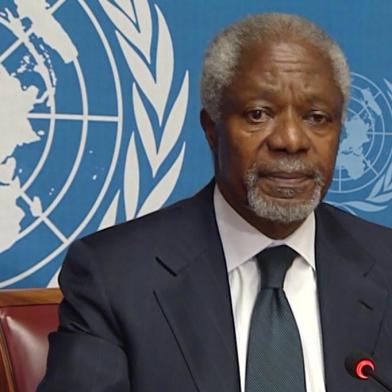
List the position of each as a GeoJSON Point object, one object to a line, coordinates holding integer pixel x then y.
{"type": "Point", "coordinates": [266, 91]}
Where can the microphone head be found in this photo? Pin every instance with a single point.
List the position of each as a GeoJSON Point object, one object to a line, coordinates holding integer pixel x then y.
{"type": "Point", "coordinates": [360, 365]}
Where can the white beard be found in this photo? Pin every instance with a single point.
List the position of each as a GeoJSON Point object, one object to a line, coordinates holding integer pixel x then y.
{"type": "Point", "coordinates": [280, 210]}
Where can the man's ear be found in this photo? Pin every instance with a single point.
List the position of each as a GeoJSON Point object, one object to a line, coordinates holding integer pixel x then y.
{"type": "Point", "coordinates": [209, 127]}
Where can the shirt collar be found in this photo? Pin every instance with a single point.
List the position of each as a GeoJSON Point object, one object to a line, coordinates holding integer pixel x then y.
{"type": "Point", "coordinates": [241, 241]}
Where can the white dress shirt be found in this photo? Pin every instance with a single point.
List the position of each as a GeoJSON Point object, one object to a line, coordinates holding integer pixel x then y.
{"type": "Point", "coordinates": [241, 243]}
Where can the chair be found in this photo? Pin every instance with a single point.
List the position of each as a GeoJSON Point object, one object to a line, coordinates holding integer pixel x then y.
{"type": "Point", "coordinates": [26, 318]}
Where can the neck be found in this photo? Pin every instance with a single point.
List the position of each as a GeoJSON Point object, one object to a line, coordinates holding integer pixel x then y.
{"type": "Point", "coordinates": [272, 229]}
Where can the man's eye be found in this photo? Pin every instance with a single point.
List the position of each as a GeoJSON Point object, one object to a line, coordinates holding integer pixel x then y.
{"type": "Point", "coordinates": [317, 118]}
{"type": "Point", "coordinates": [257, 115]}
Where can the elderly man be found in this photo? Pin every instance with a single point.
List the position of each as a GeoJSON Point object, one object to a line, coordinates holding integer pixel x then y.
{"type": "Point", "coordinates": [251, 285]}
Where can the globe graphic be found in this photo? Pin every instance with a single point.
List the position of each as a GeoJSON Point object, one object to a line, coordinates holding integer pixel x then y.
{"type": "Point", "coordinates": [366, 143]}
{"type": "Point", "coordinates": [62, 133]}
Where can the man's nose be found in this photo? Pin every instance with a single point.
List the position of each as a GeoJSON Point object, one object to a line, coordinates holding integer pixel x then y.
{"type": "Point", "coordinates": [289, 135]}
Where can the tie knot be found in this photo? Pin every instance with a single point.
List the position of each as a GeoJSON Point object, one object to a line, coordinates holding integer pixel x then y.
{"type": "Point", "coordinates": [273, 264]}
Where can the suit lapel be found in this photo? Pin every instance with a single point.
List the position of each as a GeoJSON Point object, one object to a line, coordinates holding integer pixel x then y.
{"type": "Point", "coordinates": [351, 304]}
{"type": "Point", "coordinates": [196, 302]}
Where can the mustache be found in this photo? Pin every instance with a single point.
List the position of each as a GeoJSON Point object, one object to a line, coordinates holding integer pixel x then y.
{"type": "Point", "coordinates": [287, 165]}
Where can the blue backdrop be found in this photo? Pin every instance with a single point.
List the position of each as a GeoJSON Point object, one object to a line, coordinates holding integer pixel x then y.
{"type": "Point", "coordinates": [99, 106]}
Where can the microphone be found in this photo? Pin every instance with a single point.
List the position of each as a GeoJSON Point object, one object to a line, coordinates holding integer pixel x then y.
{"type": "Point", "coordinates": [362, 366]}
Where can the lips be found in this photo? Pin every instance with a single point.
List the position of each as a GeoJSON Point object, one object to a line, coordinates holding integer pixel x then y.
{"type": "Point", "coordinates": [287, 178]}
{"type": "Point", "coordinates": [286, 168]}
{"type": "Point", "coordinates": [286, 185]}
{"type": "Point", "coordinates": [287, 174]}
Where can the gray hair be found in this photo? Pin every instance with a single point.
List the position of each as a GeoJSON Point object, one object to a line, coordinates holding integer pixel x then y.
{"type": "Point", "coordinates": [224, 52]}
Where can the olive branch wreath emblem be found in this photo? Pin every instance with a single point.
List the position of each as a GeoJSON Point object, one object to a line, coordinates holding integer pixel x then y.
{"type": "Point", "coordinates": [381, 192]}
{"type": "Point", "coordinates": [153, 77]}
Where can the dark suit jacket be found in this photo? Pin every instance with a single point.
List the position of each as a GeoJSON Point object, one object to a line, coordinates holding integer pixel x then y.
{"type": "Point", "coordinates": [147, 304]}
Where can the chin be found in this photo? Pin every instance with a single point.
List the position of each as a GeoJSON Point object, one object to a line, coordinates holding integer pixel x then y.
{"type": "Point", "coordinates": [282, 210]}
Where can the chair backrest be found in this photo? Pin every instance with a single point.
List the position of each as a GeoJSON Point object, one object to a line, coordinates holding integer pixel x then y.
{"type": "Point", "coordinates": [26, 318]}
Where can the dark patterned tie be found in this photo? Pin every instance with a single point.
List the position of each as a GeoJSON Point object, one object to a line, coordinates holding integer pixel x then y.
{"type": "Point", "coordinates": [275, 359]}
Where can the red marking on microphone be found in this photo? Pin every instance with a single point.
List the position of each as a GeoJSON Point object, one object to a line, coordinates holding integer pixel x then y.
{"type": "Point", "coordinates": [363, 367]}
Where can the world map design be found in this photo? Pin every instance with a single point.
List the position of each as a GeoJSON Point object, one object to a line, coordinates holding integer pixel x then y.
{"type": "Point", "coordinates": [351, 151]}
{"type": "Point", "coordinates": [366, 140]}
{"type": "Point", "coordinates": [73, 162]}
{"type": "Point", "coordinates": [18, 100]}
{"type": "Point", "coordinates": [49, 113]}
{"type": "Point", "coordinates": [16, 132]}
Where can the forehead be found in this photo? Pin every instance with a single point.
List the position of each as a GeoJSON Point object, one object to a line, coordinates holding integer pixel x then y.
{"type": "Point", "coordinates": [271, 66]}
{"type": "Point", "coordinates": [294, 54]}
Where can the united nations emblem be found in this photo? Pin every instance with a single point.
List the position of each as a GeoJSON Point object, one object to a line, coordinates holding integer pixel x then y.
{"type": "Point", "coordinates": [363, 173]}
{"type": "Point", "coordinates": [66, 155]}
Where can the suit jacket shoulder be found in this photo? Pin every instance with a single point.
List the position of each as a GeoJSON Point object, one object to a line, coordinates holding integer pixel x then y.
{"type": "Point", "coordinates": [357, 236]}
{"type": "Point", "coordinates": [147, 307]}
{"type": "Point", "coordinates": [354, 278]}
{"type": "Point", "coordinates": [174, 233]}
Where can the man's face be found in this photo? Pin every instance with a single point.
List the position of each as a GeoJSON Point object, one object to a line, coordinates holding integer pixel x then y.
{"type": "Point", "coordinates": [276, 141]}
